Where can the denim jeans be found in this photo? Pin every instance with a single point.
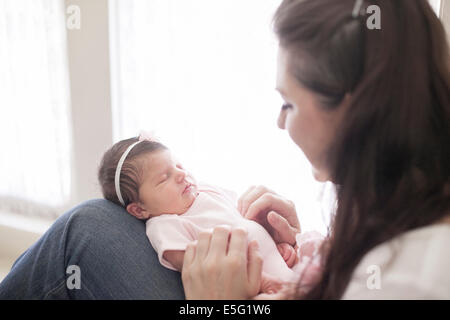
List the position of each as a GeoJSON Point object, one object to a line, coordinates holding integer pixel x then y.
{"type": "Point", "coordinates": [104, 247]}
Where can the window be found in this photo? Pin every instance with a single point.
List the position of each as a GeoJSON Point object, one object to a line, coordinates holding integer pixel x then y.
{"type": "Point", "coordinates": [202, 75]}
{"type": "Point", "coordinates": [34, 101]}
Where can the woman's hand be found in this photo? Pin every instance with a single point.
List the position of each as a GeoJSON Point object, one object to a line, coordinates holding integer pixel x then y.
{"type": "Point", "coordinates": [275, 213]}
{"type": "Point", "coordinates": [221, 265]}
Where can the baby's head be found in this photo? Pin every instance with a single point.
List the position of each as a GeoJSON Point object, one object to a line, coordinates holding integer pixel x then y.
{"type": "Point", "coordinates": [151, 181]}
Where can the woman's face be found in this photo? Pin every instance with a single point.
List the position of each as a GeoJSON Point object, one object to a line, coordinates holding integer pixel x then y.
{"type": "Point", "coordinates": [163, 189]}
{"type": "Point", "coordinates": [310, 126]}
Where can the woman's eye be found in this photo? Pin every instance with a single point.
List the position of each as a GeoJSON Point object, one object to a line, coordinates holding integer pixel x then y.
{"type": "Point", "coordinates": [286, 106]}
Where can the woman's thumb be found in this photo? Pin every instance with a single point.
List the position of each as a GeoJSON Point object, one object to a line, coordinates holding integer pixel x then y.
{"type": "Point", "coordinates": [282, 226]}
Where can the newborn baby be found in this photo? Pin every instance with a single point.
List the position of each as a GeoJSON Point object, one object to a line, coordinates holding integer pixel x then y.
{"type": "Point", "coordinates": [144, 177]}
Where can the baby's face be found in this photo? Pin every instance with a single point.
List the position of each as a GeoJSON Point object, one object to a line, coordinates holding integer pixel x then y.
{"type": "Point", "coordinates": [163, 190]}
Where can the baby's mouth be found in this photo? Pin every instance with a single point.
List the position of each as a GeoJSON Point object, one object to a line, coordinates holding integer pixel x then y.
{"type": "Point", "coordinates": [188, 186]}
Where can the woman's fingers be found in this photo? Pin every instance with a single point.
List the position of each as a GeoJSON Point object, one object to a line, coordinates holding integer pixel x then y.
{"type": "Point", "coordinates": [243, 198]}
{"type": "Point", "coordinates": [254, 267]}
{"type": "Point", "coordinates": [238, 243]}
{"type": "Point", "coordinates": [277, 215]}
{"type": "Point", "coordinates": [204, 239]}
{"type": "Point", "coordinates": [189, 254]}
{"type": "Point", "coordinates": [257, 203]}
{"type": "Point", "coordinates": [282, 227]}
{"type": "Point", "coordinates": [247, 259]}
{"type": "Point", "coordinates": [210, 272]}
{"type": "Point", "coordinates": [219, 242]}
{"type": "Point", "coordinates": [188, 260]}
{"type": "Point", "coordinates": [250, 196]}
{"type": "Point", "coordinates": [273, 202]}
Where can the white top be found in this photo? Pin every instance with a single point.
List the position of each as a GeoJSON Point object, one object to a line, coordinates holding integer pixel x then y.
{"type": "Point", "coordinates": [419, 269]}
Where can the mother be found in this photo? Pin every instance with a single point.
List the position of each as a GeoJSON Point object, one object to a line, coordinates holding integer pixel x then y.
{"type": "Point", "coordinates": [371, 111]}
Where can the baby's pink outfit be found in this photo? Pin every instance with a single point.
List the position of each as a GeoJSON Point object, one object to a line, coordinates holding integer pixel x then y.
{"type": "Point", "coordinates": [213, 207]}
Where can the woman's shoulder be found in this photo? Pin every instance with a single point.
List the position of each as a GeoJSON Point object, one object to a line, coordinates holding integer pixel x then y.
{"type": "Point", "coordinates": [413, 265]}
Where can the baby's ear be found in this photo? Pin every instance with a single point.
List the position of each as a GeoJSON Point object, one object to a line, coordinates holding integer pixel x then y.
{"type": "Point", "coordinates": [136, 210]}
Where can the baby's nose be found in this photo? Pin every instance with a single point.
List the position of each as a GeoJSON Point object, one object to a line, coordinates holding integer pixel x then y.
{"type": "Point", "coordinates": [181, 175]}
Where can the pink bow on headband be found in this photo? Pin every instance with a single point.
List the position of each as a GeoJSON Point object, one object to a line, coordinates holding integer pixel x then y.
{"type": "Point", "coordinates": [148, 135]}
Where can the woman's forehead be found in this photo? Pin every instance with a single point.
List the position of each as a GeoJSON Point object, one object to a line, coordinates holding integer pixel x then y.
{"type": "Point", "coordinates": [285, 82]}
{"type": "Point", "coordinates": [281, 71]}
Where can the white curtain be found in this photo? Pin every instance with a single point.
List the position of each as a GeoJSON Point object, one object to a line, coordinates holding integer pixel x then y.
{"type": "Point", "coordinates": [35, 129]}
{"type": "Point", "coordinates": [201, 73]}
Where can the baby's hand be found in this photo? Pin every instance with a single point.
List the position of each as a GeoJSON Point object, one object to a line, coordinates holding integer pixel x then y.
{"type": "Point", "coordinates": [288, 253]}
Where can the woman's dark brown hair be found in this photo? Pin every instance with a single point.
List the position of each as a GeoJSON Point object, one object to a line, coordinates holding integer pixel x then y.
{"type": "Point", "coordinates": [390, 159]}
{"type": "Point", "coordinates": [132, 169]}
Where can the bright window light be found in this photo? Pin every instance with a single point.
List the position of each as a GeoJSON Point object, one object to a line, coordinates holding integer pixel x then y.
{"type": "Point", "coordinates": [202, 75]}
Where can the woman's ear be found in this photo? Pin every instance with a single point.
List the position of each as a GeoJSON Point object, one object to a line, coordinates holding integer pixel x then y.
{"type": "Point", "coordinates": [136, 210]}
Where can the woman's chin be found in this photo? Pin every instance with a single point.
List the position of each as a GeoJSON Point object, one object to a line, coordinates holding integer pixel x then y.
{"type": "Point", "coordinates": [320, 175]}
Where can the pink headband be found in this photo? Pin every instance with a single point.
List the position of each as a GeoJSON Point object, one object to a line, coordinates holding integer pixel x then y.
{"type": "Point", "coordinates": [143, 136]}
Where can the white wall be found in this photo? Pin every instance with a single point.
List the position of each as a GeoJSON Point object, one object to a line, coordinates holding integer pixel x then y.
{"type": "Point", "coordinates": [88, 51]}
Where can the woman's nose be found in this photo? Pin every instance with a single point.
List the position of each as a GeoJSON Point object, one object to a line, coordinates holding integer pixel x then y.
{"type": "Point", "coordinates": [282, 119]}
